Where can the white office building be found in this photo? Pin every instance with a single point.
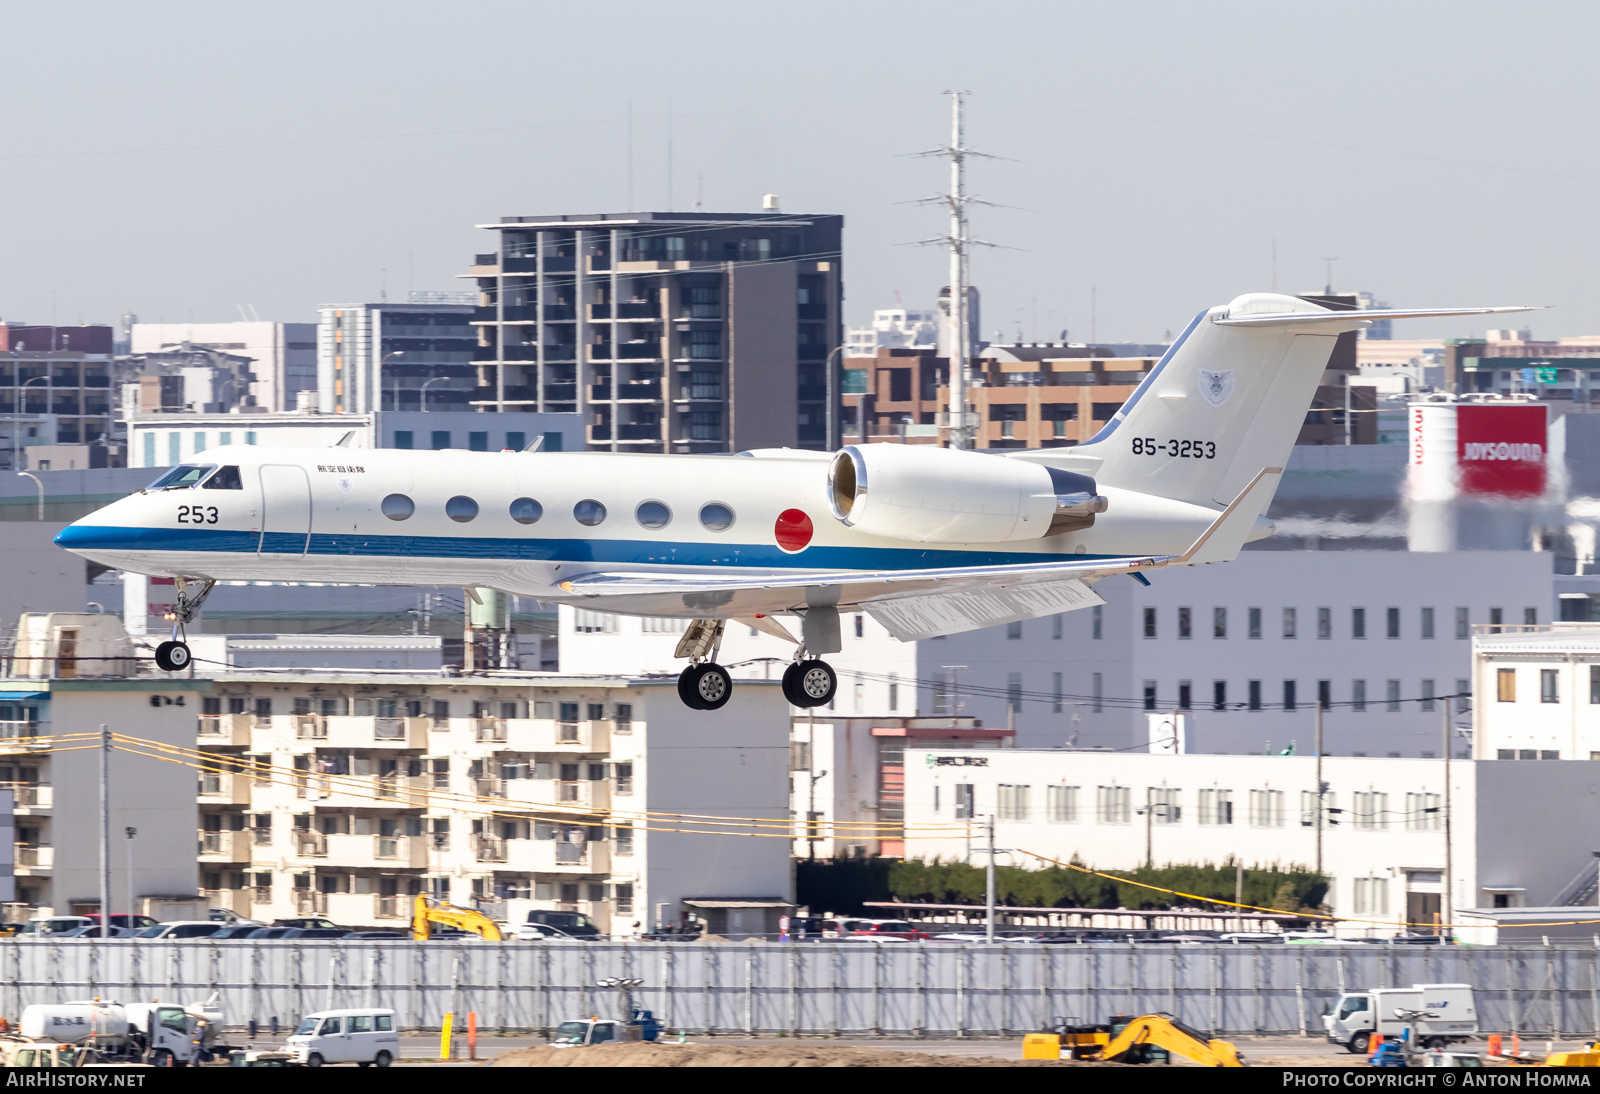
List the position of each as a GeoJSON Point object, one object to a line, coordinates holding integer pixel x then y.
{"type": "Point", "coordinates": [894, 328]}
{"type": "Point", "coordinates": [1519, 835]}
{"type": "Point", "coordinates": [1538, 692]}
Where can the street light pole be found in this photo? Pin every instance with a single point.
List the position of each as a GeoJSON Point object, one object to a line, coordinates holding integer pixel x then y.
{"type": "Point", "coordinates": [424, 391]}
{"type": "Point", "coordinates": [988, 887]}
{"type": "Point", "coordinates": [1447, 905]}
{"type": "Point", "coordinates": [130, 832]}
{"type": "Point", "coordinates": [40, 485]}
{"type": "Point", "coordinates": [832, 436]}
{"type": "Point", "coordinates": [18, 410]}
{"type": "Point", "coordinates": [381, 362]}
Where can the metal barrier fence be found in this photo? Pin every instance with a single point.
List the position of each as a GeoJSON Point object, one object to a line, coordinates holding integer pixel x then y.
{"type": "Point", "coordinates": [821, 988]}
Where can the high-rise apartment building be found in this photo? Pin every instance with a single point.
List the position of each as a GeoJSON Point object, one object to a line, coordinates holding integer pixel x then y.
{"type": "Point", "coordinates": [669, 332]}
{"type": "Point", "coordinates": [55, 388]}
{"type": "Point", "coordinates": [393, 356]}
{"type": "Point", "coordinates": [283, 355]}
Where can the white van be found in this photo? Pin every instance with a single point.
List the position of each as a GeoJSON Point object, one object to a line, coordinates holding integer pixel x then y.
{"type": "Point", "coordinates": [358, 1036]}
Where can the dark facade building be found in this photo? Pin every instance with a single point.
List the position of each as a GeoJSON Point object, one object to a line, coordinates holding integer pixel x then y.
{"type": "Point", "coordinates": [668, 332]}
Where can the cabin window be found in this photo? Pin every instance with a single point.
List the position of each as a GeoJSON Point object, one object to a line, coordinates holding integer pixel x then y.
{"type": "Point", "coordinates": [589, 512]}
{"type": "Point", "coordinates": [461, 509]}
{"type": "Point", "coordinates": [398, 507]}
{"type": "Point", "coordinates": [716, 516]}
{"type": "Point", "coordinates": [653, 514]}
{"type": "Point", "coordinates": [526, 511]}
{"type": "Point", "coordinates": [226, 478]}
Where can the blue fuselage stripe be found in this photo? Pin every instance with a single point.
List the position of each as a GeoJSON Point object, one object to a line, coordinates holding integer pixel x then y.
{"type": "Point", "coordinates": [611, 552]}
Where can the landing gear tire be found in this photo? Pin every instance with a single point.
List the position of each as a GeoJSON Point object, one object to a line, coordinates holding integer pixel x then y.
{"type": "Point", "coordinates": [173, 656]}
{"type": "Point", "coordinates": [705, 687]}
{"type": "Point", "coordinates": [809, 684]}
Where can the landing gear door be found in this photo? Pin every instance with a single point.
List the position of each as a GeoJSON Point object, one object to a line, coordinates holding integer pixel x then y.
{"type": "Point", "coordinates": [285, 512]}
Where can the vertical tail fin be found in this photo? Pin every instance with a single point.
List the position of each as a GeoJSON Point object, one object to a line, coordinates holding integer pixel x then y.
{"type": "Point", "coordinates": [1225, 401]}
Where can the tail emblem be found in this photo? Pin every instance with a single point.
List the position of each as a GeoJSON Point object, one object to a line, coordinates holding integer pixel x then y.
{"type": "Point", "coordinates": [1216, 387]}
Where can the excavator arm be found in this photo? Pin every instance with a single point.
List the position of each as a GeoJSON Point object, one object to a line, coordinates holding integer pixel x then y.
{"type": "Point", "coordinates": [1165, 1031]}
{"type": "Point", "coordinates": [426, 911]}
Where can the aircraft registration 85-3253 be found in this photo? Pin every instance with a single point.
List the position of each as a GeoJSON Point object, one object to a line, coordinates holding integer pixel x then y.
{"type": "Point", "coordinates": [925, 540]}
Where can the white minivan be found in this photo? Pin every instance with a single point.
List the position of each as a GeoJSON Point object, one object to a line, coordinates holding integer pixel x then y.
{"type": "Point", "coordinates": [357, 1036]}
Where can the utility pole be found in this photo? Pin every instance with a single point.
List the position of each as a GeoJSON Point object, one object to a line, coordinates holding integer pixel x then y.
{"type": "Point", "coordinates": [959, 340]}
{"type": "Point", "coordinates": [1447, 905]}
{"type": "Point", "coordinates": [1320, 788]}
{"type": "Point", "coordinates": [1149, 829]}
{"type": "Point", "coordinates": [988, 888]}
{"type": "Point", "coordinates": [130, 831]}
{"type": "Point", "coordinates": [105, 831]}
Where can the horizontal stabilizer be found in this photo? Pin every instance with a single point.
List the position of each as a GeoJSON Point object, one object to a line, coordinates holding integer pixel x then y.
{"type": "Point", "coordinates": [1283, 319]}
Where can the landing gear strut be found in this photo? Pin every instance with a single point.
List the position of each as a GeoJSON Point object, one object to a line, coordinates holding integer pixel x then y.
{"type": "Point", "coordinates": [174, 656]}
{"type": "Point", "coordinates": [704, 685]}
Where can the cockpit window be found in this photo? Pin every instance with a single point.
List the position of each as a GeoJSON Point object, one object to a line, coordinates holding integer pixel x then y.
{"type": "Point", "coordinates": [182, 477]}
{"type": "Point", "coordinates": [226, 478]}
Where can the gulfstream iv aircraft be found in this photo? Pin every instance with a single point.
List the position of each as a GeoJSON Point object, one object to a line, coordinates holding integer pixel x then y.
{"type": "Point", "coordinates": [925, 540]}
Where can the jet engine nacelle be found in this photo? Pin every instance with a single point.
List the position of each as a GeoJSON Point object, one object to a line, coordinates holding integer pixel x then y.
{"type": "Point", "coordinates": [943, 495]}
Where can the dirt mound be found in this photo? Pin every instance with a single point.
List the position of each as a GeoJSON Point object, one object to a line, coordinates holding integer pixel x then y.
{"type": "Point", "coordinates": [646, 1054]}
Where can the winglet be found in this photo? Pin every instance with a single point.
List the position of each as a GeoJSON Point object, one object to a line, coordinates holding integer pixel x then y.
{"type": "Point", "coordinates": [1224, 518]}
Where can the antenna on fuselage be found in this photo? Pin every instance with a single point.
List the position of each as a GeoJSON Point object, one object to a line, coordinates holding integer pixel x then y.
{"type": "Point", "coordinates": [538, 443]}
{"type": "Point", "coordinates": [344, 442]}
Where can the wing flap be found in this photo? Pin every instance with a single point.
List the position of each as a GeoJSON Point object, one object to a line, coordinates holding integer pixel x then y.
{"type": "Point", "coordinates": [924, 615]}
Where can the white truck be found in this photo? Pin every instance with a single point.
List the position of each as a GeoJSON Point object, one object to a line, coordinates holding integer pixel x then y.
{"type": "Point", "coordinates": [1444, 1013]}
{"type": "Point", "coordinates": [163, 1034]}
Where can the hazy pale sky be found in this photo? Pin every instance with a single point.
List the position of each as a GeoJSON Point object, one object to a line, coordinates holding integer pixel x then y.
{"type": "Point", "coordinates": [179, 160]}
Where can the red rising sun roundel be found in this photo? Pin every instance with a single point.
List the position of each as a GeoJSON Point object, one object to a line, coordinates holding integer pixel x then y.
{"type": "Point", "coordinates": [793, 530]}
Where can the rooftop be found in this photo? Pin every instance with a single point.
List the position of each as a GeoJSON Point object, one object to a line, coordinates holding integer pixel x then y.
{"type": "Point", "coordinates": [613, 220]}
{"type": "Point", "coordinates": [1543, 639]}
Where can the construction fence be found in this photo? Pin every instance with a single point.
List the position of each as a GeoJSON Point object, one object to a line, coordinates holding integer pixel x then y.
{"type": "Point", "coordinates": [860, 989]}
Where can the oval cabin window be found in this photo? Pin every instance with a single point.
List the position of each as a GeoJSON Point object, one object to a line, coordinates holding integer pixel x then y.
{"type": "Point", "coordinates": [398, 507]}
{"type": "Point", "coordinates": [589, 512]}
{"type": "Point", "coordinates": [460, 509]}
{"type": "Point", "coordinates": [653, 514]}
{"type": "Point", "coordinates": [716, 516]}
{"type": "Point", "coordinates": [526, 511]}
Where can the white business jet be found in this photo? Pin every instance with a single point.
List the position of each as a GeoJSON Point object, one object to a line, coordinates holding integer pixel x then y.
{"type": "Point", "coordinates": [927, 541]}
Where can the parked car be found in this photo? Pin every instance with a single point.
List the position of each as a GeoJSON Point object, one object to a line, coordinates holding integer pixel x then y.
{"type": "Point", "coordinates": [267, 932]}
{"type": "Point", "coordinates": [894, 928]}
{"type": "Point", "coordinates": [314, 932]}
{"type": "Point", "coordinates": [1253, 938]}
{"type": "Point", "coordinates": [92, 930]}
{"type": "Point", "coordinates": [315, 921]}
{"type": "Point", "coordinates": [237, 930]}
{"type": "Point", "coordinates": [572, 924]}
{"type": "Point", "coordinates": [53, 924]}
{"type": "Point", "coordinates": [375, 936]}
{"type": "Point", "coordinates": [232, 918]}
{"type": "Point", "coordinates": [122, 919]}
{"type": "Point", "coordinates": [534, 932]}
{"type": "Point", "coordinates": [183, 928]}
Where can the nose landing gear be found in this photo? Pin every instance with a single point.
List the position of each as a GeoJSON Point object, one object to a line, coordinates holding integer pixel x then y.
{"type": "Point", "coordinates": [174, 656]}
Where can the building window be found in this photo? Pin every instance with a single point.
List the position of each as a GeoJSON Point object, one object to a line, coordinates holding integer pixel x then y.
{"type": "Point", "coordinates": [1309, 806]}
{"type": "Point", "coordinates": [1219, 622]}
{"type": "Point", "coordinates": [1219, 695]}
{"type": "Point", "coordinates": [1061, 804]}
{"type": "Point", "coordinates": [1149, 695]}
{"type": "Point", "coordinates": [1266, 809]}
{"type": "Point", "coordinates": [1288, 695]}
{"type": "Point", "coordinates": [964, 801]}
{"type": "Point", "coordinates": [623, 893]}
{"type": "Point", "coordinates": [1163, 804]}
{"type": "Point", "coordinates": [1391, 622]}
{"type": "Point", "coordinates": [403, 438]}
{"type": "Point", "coordinates": [1113, 804]}
{"type": "Point", "coordinates": [1371, 809]}
{"type": "Point", "coordinates": [1055, 626]}
{"type": "Point", "coordinates": [1423, 813]}
{"type": "Point", "coordinates": [1463, 696]}
{"type": "Point", "coordinates": [1427, 623]}
{"type": "Point", "coordinates": [477, 442]}
{"type": "Point", "coordinates": [894, 691]}
{"type": "Point", "coordinates": [1185, 623]}
{"type": "Point", "coordinates": [585, 621]}
{"type": "Point", "coordinates": [1254, 618]}
{"type": "Point", "coordinates": [1324, 622]}
{"type": "Point", "coordinates": [1358, 622]}
{"type": "Point", "coordinates": [1013, 691]}
{"type": "Point", "coordinates": [1548, 690]}
{"type": "Point", "coordinates": [1185, 695]}
{"type": "Point", "coordinates": [441, 439]}
{"type": "Point", "coordinates": [1055, 693]}
{"type": "Point", "coordinates": [1149, 622]}
{"type": "Point", "coordinates": [1012, 802]}
{"type": "Point", "coordinates": [1358, 695]}
{"type": "Point", "coordinates": [1288, 623]}
{"type": "Point", "coordinates": [1594, 684]}
{"type": "Point", "coordinates": [516, 440]}
{"type": "Point", "coordinates": [1371, 896]}
{"type": "Point", "coordinates": [1463, 629]}
{"type": "Point", "coordinates": [1096, 620]}
{"type": "Point", "coordinates": [1216, 806]}
{"type": "Point", "coordinates": [1324, 694]}
{"type": "Point", "coordinates": [1255, 695]}
{"type": "Point", "coordinates": [1097, 704]}
{"type": "Point", "coordinates": [1427, 695]}
{"type": "Point", "coordinates": [1505, 685]}
{"type": "Point", "coordinates": [1392, 695]}
{"type": "Point", "coordinates": [1496, 618]}
{"type": "Point", "coordinates": [1530, 617]}
{"type": "Point", "coordinates": [1013, 630]}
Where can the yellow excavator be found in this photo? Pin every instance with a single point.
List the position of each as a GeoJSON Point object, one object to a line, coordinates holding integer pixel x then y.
{"type": "Point", "coordinates": [427, 911]}
{"type": "Point", "coordinates": [1132, 1041]}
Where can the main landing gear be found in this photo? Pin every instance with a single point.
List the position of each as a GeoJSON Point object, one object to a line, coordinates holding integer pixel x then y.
{"type": "Point", "coordinates": [706, 685]}
{"type": "Point", "coordinates": [174, 656]}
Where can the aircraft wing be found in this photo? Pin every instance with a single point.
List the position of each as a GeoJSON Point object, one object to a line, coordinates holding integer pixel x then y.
{"type": "Point", "coordinates": [921, 603]}
{"type": "Point", "coordinates": [1287, 319]}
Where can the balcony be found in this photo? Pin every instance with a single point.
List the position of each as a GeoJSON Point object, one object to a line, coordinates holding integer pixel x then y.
{"type": "Point", "coordinates": [552, 735]}
{"type": "Point", "coordinates": [406, 790]}
{"type": "Point", "coordinates": [560, 393]}
{"type": "Point", "coordinates": [489, 730]}
{"type": "Point", "coordinates": [639, 351]}
{"type": "Point", "coordinates": [545, 856]}
{"type": "Point", "coordinates": [490, 788]}
{"type": "Point", "coordinates": [578, 796]}
{"type": "Point", "coordinates": [639, 389]}
{"type": "Point", "coordinates": [225, 846]}
{"type": "Point", "coordinates": [391, 907]}
{"type": "Point", "coordinates": [31, 798]}
{"type": "Point", "coordinates": [485, 849]}
{"type": "Point", "coordinates": [224, 788]}
{"type": "Point", "coordinates": [18, 733]}
{"type": "Point", "coordinates": [520, 313]}
{"type": "Point", "coordinates": [310, 902]}
{"type": "Point", "coordinates": [559, 313]}
{"type": "Point", "coordinates": [31, 858]}
{"type": "Point", "coordinates": [812, 311]}
{"type": "Point", "coordinates": [225, 729]}
{"type": "Point", "coordinates": [309, 727]}
{"type": "Point", "coordinates": [238, 901]}
{"type": "Point", "coordinates": [407, 851]}
{"type": "Point", "coordinates": [630, 431]}
{"type": "Point", "coordinates": [310, 844]}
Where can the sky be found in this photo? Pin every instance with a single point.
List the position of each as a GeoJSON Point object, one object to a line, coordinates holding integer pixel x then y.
{"type": "Point", "coordinates": [191, 161]}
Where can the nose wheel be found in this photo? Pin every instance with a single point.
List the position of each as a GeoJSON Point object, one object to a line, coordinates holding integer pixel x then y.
{"type": "Point", "coordinates": [173, 656]}
{"type": "Point", "coordinates": [809, 683]}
